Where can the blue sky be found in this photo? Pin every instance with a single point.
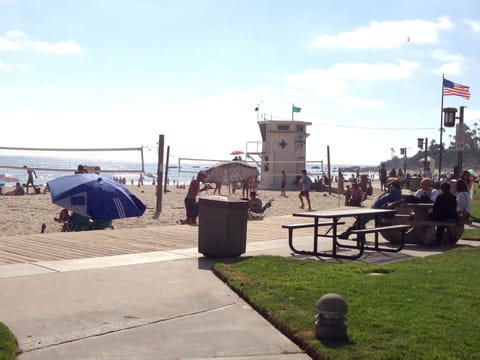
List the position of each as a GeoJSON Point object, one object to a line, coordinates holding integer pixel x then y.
{"type": "Point", "coordinates": [366, 74]}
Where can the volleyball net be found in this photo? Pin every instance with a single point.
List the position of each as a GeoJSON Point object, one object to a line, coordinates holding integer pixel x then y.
{"type": "Point", "coordinates": [109, 160]}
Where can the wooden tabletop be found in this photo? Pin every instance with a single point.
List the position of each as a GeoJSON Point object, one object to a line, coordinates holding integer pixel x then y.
{"type": "Point", "coordinates": [344, 212]}
{"type": "Point", "coordinates": [419, 205]}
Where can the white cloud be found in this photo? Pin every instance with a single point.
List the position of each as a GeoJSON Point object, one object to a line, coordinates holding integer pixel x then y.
{"type": "Point", "coordinates": [330, 83]}
{"type": "Point", "coordinates": [474, 25]}
{"type": "Point", "coordinates": [60, 47]}
{"type": "Point", "coordinates": [7, 44]}
{"type": "Point", "coordinates": [386, 34]}
{"type": "Point", "coordinates": [22, 67]}
{"type": "Point", "coordinates": [382, 71]}
{"type": "Point", "coordinates": [472, 116]}
{"type": "Point", "coordinates": [449, 68]}
{"type": "Point", "coordinates": [3, 66]}
{"type": "Point", "coordinates": [320, 82]}
{"type": "Point", "coordinates": [15, 34]}
{"type": "Point", "coordinates": [452, 63]}
{"type": "Point", "coordinates": [359, 103]}
{"type": "Point", "coordinates": [442, 55]}
{"type": "Point", "coordinates": [51, 87]}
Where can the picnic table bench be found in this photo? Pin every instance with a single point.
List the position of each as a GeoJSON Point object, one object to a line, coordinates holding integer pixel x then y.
{"type": "Point", "coordinates": [292, 227]}
{"type": "Point", "coordinates": [423, 230]}
{"type": "Point", "coordinates": [334, 217]}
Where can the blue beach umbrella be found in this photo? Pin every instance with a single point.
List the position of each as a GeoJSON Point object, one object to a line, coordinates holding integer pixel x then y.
{"type": "Point", "coordinates": [94, 196]}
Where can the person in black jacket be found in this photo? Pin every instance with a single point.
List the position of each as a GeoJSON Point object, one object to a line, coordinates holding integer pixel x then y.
{"type": "Point", "coordinates": [444, 209]}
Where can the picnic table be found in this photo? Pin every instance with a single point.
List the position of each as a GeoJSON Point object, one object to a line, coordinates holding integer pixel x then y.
{"type": "Point", "coordinates": [423, 230]}
{"type": "Point", "coordinates": [333, 219]}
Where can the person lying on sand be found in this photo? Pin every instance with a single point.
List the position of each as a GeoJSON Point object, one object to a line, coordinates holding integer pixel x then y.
{"type": "Point", "coordinates": [19, 190]}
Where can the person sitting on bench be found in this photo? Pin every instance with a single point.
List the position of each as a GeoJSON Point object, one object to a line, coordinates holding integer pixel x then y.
{"type": "Point", "coordinates": [388, 200]}
{"type": "Point", "coordinates": [445, 210]}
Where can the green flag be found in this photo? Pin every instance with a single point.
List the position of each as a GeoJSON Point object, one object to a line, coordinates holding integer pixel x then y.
{"type": "Point", "coordinates": [296, 109]}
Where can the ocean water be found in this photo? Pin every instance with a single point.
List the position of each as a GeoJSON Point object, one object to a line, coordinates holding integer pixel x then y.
{"type": "Point", "coordinates": [50, 167]}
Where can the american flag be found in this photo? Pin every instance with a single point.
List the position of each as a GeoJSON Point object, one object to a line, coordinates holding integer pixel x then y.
{"type": "Point", "coordinates": [451, 88]}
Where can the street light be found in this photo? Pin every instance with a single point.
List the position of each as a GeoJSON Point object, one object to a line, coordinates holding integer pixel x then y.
{"type": "Point", "coordinates": [403, 151]}
{"type": "Point", "coordinates": [449, 121]}
{"type": "Point", "coordinates": [449, 117]}
{"type": "Point", "coordinates": [420, 146]}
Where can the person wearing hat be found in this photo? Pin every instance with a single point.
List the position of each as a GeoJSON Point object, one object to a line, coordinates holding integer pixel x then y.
{"type": "Point", "coordinates": [426, 193]}
{"type": "Point", "coordinates": [191, 203]}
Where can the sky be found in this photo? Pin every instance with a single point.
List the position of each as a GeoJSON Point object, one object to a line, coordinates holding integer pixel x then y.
{"type": "Point", "coordinates": [117, 73]}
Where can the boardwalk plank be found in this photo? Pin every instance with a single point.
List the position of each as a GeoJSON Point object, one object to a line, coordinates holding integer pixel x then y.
{"type": "Point", "coordinates": [61, 246]}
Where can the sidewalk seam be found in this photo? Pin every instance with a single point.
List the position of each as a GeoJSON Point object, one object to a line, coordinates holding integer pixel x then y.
{"type": "Point", "coordinates": [129, 327]}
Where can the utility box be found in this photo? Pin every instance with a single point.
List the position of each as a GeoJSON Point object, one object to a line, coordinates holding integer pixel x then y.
{"type": "Point", "coordinates": [414, 183]}
{"type": "Point", "coordinates": [222, 228]}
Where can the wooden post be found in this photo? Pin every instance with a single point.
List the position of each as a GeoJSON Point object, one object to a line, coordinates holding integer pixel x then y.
{"type": "Point", "coordinates": [329, 173]}
{"type": "Point", "coordinates": [143, 162]}
{"type": "Point", "coordinates": [159, 177]}
{"type": "Point", "coordinates": [166, 169]}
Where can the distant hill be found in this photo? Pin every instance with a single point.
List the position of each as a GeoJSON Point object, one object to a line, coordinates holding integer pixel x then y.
{"type": "Point", "coordinates": [471, 160]}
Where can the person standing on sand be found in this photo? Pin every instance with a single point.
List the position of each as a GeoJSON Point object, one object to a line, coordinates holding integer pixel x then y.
{"type": "Point", "coordinates": [30, 174]}
{"type": "Point", "coordinates": [306, 182]}
{"type": "Point", "coordinates": [283, 183]}
{"type": "Point", "coordinates": [191, 203]}
{"type": "Point", "coordinates": [382, 174]}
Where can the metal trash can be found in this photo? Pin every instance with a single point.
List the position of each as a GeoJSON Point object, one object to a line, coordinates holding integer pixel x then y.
{"type": "Point", "coordinates": [222, 228]}
{"type": "Point", "coordinates": [414, 183]}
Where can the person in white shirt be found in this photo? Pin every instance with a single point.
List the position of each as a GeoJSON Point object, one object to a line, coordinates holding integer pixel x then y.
{"type": "Point", "coordinates": [463, 200]}
{"type": "Point", "coordinates": [428, 174]}
{"type": "Point", "coordinates": [426, 193]}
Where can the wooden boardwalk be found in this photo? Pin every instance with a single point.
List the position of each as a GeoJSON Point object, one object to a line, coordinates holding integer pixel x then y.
{"type": "Point", "coordinates": [65, 246]}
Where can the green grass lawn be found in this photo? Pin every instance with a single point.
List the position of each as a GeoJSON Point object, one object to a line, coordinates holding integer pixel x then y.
{"type": "Point", "coordinates": [474, 234]}
{"type": "Point", "coordinates": [8, 345]}
{"type": "Point", "coordinates": [424, 308]}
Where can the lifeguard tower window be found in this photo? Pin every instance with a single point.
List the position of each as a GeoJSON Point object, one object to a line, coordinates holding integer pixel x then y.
{"type": "Point", "coordinates": [299, 128]}
{"type": "Point", "coordinates": [283, 127]}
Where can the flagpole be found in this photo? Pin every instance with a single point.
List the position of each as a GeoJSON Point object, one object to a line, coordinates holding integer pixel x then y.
{"type": "Point", "coordinates": [292, 110]}
{"type": "Point", "coordinates": [441, 134]}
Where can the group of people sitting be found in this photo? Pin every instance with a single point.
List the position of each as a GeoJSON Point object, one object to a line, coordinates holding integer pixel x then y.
{"type": "Point", "coordinates": [447, 207]}
{"type": "Point", "coordinates": [76, 222]}
{"type": "Point", "coordinates": [354, 196]}
{"type": "Point", "coordinates": [19, 189]}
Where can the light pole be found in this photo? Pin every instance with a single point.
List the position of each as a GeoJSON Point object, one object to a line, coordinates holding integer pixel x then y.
{"type": "Point", "coordinates": [460, 140]}
{"type": "Point", "coordinates": [420, 146]}
{"type": "Point", "coordinates": [449, 121]}
{"type": "Point", "coordinates": [403, 151]}
{"type": "Point", "coordinates": [257, 109]}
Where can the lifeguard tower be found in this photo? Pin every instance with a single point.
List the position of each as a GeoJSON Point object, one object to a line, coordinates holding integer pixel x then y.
{"type": "Point", "coordinates": [283, 148]}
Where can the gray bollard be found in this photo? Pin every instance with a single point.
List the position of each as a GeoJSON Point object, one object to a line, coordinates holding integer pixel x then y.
{"type": "Point", "coordinates": [330, 318]}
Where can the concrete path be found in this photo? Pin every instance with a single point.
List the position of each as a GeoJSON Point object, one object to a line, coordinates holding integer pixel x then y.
{"type": "Point", "coordinates": [161, 310]}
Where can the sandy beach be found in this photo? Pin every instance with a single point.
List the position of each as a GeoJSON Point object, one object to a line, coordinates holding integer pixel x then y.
{"type": "Point", "coordinates": [26, 214]}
